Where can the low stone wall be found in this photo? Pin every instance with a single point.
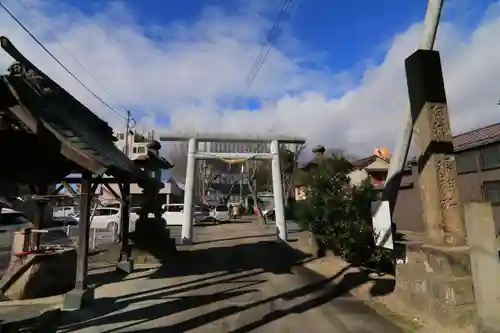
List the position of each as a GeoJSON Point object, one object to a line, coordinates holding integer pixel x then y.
{"type": "Point", "coordinates": [437, 281]}
{"type": "Point", "coordinates": [41, 275]}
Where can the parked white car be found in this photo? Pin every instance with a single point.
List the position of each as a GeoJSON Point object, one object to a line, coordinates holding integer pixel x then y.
{"type": "Point", "coordinates": [220, 213]}
{"type": "Point", "coordinates": [174, 214]}
{"type": "Point", "coordinates": [12, 220]}
{"type": "Point", "coordinates": [109, 218]}
{"type": "Point", "coordinates": [65, 211]}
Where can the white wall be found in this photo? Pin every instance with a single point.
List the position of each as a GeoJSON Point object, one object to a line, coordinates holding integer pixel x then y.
{"type": "Point", "coordinates": [357, 177]}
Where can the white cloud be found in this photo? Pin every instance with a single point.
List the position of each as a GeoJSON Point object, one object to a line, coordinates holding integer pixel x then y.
{"type": "Point", "coordinates": [188, 74]}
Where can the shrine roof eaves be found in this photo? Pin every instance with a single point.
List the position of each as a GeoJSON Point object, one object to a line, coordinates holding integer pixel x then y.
{"type": "Point", "coordinates": [70, 121]}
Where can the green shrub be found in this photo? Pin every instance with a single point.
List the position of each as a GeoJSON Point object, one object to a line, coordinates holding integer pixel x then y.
{"type": "Point", "coordinates": [340, 216]}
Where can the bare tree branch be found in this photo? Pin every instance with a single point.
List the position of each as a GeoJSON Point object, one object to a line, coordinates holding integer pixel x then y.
{"type": "Point", "coordinates": [260, 217]}
{"type": "Point", "coordinates": [178, 157]}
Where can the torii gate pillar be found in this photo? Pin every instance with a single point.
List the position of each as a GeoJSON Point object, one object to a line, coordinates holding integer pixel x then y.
{"type": "Point", "coordinates": [279, 209]}
{"type": "Point", "coordinates": [193, 140]}
{"type": "Point", "coordinates": [187, 223]}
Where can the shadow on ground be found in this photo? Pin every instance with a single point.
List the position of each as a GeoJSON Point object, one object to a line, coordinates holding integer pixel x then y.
{"type": "Point", "coordinates": [264, 235]}
{"type": "Point", "coordinates": [243, 263]}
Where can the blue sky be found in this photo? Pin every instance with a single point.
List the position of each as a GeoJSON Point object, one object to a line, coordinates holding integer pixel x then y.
{"type": "Point", "coordinates": [335, 77]}
{"type": "Point", "coordinates": [343, 34]}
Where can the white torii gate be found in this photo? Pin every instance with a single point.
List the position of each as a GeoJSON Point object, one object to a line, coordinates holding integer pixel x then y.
{"type": "Point", "coordinates": [193, 154]}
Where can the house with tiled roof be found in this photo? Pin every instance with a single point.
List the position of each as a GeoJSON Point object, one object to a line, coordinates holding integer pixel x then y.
{"type": "Point", "coordinates": [477, 154]}
{"type": "Point", "coordinates": [373, 167]}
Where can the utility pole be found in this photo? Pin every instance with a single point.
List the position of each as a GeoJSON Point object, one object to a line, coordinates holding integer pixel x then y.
{"type": "Point", "coordinates": [127, 130]}
{"type": "Point", "coordinates": [400, 154]}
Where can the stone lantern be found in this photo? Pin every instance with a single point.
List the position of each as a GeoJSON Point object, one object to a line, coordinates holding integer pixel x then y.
{"type": "Point", "coordinates": [151, 237]}
{"type": "Point", "coordinates": [153, 164]}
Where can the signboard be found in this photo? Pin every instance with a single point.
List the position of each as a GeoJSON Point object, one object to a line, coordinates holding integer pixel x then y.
{"type": "Point", "coordinates": [381, 218]}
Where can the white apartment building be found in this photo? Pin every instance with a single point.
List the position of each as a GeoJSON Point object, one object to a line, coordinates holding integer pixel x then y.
{"type": "Point", "coordinates": [137, 143]}
{"type": "Point", "coordinates": [137, 146]}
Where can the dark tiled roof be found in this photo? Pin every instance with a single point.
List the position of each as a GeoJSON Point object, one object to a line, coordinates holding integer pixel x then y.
{"type": "Point", "coordinates": [69, 120]}
{"type": "Point", "coordinates": [361, 163]}
{"type": "Point", "coordinates": [472, 139]}
{"type": "Point", "coordinates": [478, 137]}
{"type": "Point", "coordinates": [364, 162]}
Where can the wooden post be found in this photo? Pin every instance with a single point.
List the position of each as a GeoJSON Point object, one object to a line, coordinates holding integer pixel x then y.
{"type": "Point", "coordinates": [80, 294]}
{"type": "Point", "coordinates": [41, 204]}
{"type": "Point", "coordinates": [125, 264]}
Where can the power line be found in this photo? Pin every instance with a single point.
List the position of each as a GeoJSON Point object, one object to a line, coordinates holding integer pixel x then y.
{"type": "Point", "coordinates": [75, 59]}
{"type": "Point", "coordinates": [271, 38]}
{"type": "Point", "coordinates": [58, 61]}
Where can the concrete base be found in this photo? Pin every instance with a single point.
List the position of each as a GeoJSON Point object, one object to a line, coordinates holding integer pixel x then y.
{"type": "Point", "coordinates": [151, 242]}
{"type": "Point", "coordinates": [186, 241]}
{"type": "Point", "coordinates": [125, 266]}
{"type": "Point", "coordinates": [77, 298]}
{"type": "Point", "coordinates": [483, 329]}
{"type": "Point", "coordinates": [437, 282]}
{"type": "Point", "coordinates": [281, 239]}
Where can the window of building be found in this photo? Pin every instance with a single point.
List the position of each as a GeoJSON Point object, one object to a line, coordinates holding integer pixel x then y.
{"type": "Point", "coordinates": [490, 157]}
{"type": "Point", "coordinates": [378, 177]}
{"type": "Point", "coordinates": [134, 150]}
{"type": "Point", "coordinates": [141, 150]}
{"type": "Point", "coordinates": [491, 192]}
{"type": "Point", "coordinates": [466, 162]}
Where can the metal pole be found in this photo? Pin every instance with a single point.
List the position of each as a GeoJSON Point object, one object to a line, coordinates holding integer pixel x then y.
{"type": "Point", "coordinates": [187, 223]}
{"type": "Point", "coordinates": [398, 158]}
{"type": "Point", "coordinates": [400, 154]}
{"type": "Point", "coordinates": [431, 23]}
{"type": "Point", "coordinates": [279, 208]}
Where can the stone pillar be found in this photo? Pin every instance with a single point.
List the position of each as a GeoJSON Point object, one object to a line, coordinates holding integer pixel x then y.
{"type": "Point", "coordinates": [485, 267]}
{"type": "Point", "coordinates": [442, 210]}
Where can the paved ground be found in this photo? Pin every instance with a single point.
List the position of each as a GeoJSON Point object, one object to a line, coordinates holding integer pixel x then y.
{"type": "Point", "coordinates": [237, 279]}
